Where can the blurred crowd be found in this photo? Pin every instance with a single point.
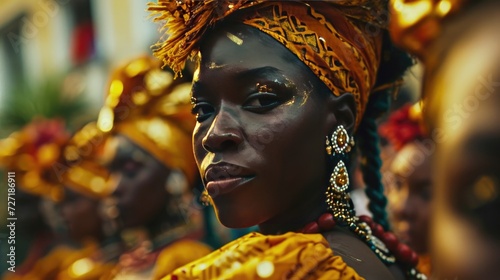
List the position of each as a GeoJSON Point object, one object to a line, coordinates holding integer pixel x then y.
{"type": "Point", "coordinates": [111, 190]}
{"type": "Point", "coordinates": [119, 195]}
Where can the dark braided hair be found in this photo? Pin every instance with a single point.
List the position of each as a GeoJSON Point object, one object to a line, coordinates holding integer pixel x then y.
{"type": "Point", "coordinates": [393, 64]}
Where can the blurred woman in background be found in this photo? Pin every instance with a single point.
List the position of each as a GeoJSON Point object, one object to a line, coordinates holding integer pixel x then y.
{"type": "Point", "coordinates": [153, 173]}
{"type": "Point", "coordinates": [30, 154]}
{"type": "Point", "coordinates": [410, 184]}
{"type": "Point", "coordinates": [458, 42]}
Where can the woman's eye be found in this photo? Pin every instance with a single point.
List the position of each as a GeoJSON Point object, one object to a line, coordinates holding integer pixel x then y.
{"type": "Point", "coordinates": [261, 102]}
{"type": "Point", "coordinates": [202, 111]}
{"type": "Point", "coordinates": [126, 168]}
{"type": "Point", "coordinates": [426, 193]}
{"type": "Point", "coordinates": [131, 167]}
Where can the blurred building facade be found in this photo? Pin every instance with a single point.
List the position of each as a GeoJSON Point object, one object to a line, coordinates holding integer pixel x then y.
{"type": "Point", "coordinates": [81, 39]}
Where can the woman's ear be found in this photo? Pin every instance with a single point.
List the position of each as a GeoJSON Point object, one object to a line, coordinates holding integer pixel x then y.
{"type": "Point", "coordinates": [341, 111]}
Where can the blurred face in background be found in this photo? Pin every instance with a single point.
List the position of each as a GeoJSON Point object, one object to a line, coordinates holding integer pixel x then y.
{"type": "Point", "coordinates": [464, 101]}
{"type": "Point", "coordinates": [140, 182]}
{"type": "Point", "coordinates": [410, 195]}
{"type": "Point", "coordinates": [81, 216]}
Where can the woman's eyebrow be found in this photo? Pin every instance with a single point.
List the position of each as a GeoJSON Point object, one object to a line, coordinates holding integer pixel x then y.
{"type": "Point", "coordinates": [196, 88]}
{"type": "Point", "coordinates": [242, 76]}
{"type": "Point", "coordinates": [260, 72]}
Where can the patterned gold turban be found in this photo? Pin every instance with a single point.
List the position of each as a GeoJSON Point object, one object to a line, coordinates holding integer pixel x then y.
{"type": "Point", "coordinates": [340, 41]}
{"type": "Point", "coordinates": [145, 104]}
{"type": "Point", "coordinates": [31, 153]}
{"type": "Point", "coordinates": [415, 24]}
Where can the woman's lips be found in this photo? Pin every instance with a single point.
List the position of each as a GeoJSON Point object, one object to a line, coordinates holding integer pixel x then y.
{"type": "Point", "coordinates": [224, 186]}
{"type": "Point", "coordinates": [224, 177]}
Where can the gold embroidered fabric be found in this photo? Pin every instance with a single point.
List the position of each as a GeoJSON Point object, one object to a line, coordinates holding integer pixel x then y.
{"type": "Point", "coordinates": [257, 256]}
{"type": "Point", "coordinates": [339, 41]}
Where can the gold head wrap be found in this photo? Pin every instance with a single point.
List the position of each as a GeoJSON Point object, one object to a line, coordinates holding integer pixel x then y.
{"type": "Point", "coordinates": [340, 41]}
{"type": "Point", "coordinates": [145, 104]}
{"type": "Point", "coordinates": [415, 24]}
{"type": "Point", "coordinates": [31, 154]}
{"type": "Point", "coordinates": [80, 168]}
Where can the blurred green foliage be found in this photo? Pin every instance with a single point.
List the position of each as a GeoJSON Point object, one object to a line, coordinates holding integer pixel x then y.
{"type": "Point", "coordinates": [45, 100]}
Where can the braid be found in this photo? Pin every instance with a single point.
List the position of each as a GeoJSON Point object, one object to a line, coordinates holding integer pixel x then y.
{"type": "Point", "coordinates": [392, 67]}
{"type": "Point", "coordinates": [368, 143]}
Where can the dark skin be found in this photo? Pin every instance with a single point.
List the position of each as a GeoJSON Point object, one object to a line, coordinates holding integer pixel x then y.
{"type": "Point", "coordinates": [81, 215]}
{"type": "Point", "coordinates": [140, 186]}
{"type": "Point", "coordinates": [30, 224]}
{"type": "Point", "coordinates": [466, 229]}
{"type": "Point", "coordinates": [264, 128]}
{"type": "Point", "coordinates": [28, 209]}
{"type": "Point", "coordinates": [412, 193]}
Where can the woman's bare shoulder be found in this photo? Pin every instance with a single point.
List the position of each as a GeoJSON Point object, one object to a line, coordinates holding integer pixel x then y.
{"type": "Point", "coordinates": [359, 256]}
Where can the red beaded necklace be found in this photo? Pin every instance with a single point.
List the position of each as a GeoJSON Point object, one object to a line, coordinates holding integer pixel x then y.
{"type": "Point", "coordinates": [402, 252]}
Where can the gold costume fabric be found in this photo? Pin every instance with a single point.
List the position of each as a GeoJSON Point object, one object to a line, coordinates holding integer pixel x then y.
{"type": "Point", "coordinates": [80, 167]}
{"type": "Point", "coordinates": [141, 263]}
{"type": "Point", "coordinates": [340, 41]}
{"type": "Point", "coordinates": [415, 24]}
{"type": "Point", "coordinates": [66, 263]}
{"type": "Point", "coordinates": [145, 104]}
{"type": "Point", "coordinates": [31, 153]}
{"type": "Point", "coordinates": [255, 256]}
{"type": "Point", "coordinates": [178, 254]}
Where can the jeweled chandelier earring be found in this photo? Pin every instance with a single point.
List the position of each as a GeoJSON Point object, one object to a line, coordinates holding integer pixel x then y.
{"type": "Point", "coordinates": [337, 199]}
{"type": "Point", "coordinates": [340, 145]}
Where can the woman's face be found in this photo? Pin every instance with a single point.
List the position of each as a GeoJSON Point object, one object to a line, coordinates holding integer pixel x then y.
{"type": "Point", "coordinates": [260, 137]}
{"type": "Point", "coordinates": [410, 195]}
{"type": "Point", "coordinates": [466, 227]}
{"type": "Point", "coordinates": [140, 180]}
{"type": "Point", "coordinates": [81, 216]}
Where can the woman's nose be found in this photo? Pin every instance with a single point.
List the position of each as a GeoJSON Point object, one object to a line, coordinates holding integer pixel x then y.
{"type": "Point", "coordinates": [400, 203]}
{"type": "Point", "coordinates": [224, 133]}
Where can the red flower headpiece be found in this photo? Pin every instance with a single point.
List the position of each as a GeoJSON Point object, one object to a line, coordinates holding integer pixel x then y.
{"type": "Point", "coordinates": [31, 153]}
{"type": "Point", "coordinates": [403, 126]}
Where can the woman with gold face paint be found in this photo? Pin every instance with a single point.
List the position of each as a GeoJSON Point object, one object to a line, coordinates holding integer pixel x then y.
{"type": "Point", "coordinates": [281, 87]}
{"type": "Point", "coordinates": [147, 125]}
{"type": "Point", "coordinates": [461, 100]}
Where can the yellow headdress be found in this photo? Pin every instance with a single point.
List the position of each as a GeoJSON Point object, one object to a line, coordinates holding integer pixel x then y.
{"type": "Point", "coordinates": [145, 104]}
{"type": "Point", "coordinates": [340, 41]}
{"type": "Point", "coordinates": [415, 24]}
{"type": "Point", "coordinates": [80, 167]}
{"type": "Point", "coordinates": [31, 153]}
